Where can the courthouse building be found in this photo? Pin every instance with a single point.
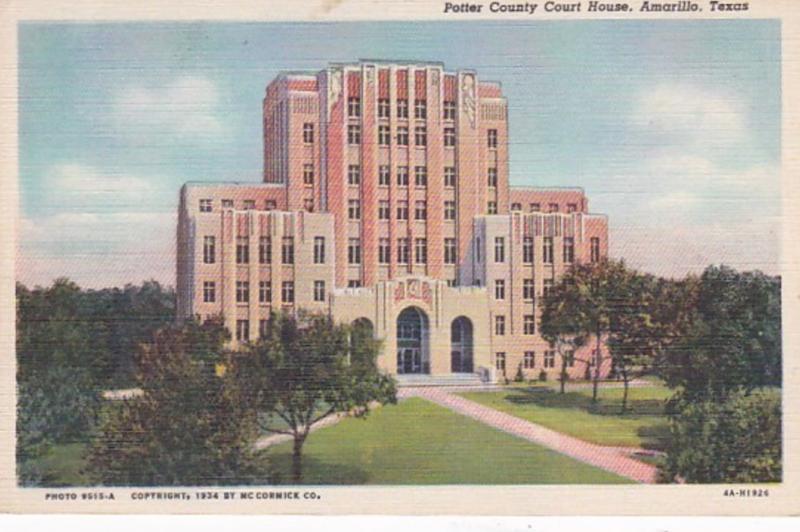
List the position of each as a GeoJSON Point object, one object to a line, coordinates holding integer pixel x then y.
{"type": "Point", "coordinates": [385, 201]}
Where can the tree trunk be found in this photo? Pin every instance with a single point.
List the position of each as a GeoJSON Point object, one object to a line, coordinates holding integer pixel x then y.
{"type": "Point", "coordinates": [624, 389]}
{"type": "Point", "coordinates": [297, 458]}
{"type": "Point", "coordinates": [597, 360]}
{"type": "Point", "coordinates": [563, 374]}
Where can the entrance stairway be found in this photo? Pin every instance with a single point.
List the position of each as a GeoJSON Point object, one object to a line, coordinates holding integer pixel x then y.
{"type": "Point", "coordinates": [453, 379]}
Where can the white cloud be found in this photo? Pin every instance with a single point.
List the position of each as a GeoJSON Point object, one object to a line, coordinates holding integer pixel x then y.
{"type": "Point", "coordinates": [73, 184]}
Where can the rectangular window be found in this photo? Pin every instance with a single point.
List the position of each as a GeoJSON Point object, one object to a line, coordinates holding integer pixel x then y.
{"type": "Point", "coordinates": [354, 209]}
{"type": "Point", "coordinates": [383, 175]}
{"type": "Point", "coordinates": [402, 136]}
{"type": "Point", "coordinates": [264, 250]}
{"type": "Point", "coordinates": [354, 174]}
{"type": "Point", "coordinates": [529, 360]}
{"type": "Point", "coordinates": [308, 174]}
{"type": "Point", "coordinates": [549, 359]}
{"type": "Point", "coordinates": [572, 207]}
{"type": "Point", "coordinates": [354, 251]}
{"type": "Point", "coordinates": [528, 289]}
{"type": "Point", "coordinates": [478, 249]}
{"type": "Point", "coordinates": [227, 204]}
{"type": "Point", "coordinates": [383, 210]}
{"type": "Point", "coordinates": [547, 287]}
{"type": "Point", "coordinates": [449, 108]}
{"type": "Point", "coordinates": [287, 292]}
{"type": "Point", "coordinates": [249, 204]}
{"type": "Point", "coordinates": [491, 208]}
{"type": "Point", "coordinates": [384, 108]}
{"type": "Point", "coordinates": [499, 249]}
{"type": "Point", "coordinates": [242, 250]}
{"type": "Point", "coordinates": [384, 251]}
{"type": "Point", "coordinates": [209, 249]}
{"type": "Point", "coordinates": [528, 324]}
{"type": "Point", "coordinates": [420, 210]}
{"type": "Point", "coordinates": [499, 289]}
{"type": "Point", "coordinates": [421, 176]}
{"type": "Point", "coordinates": [500, 362]}
{"type": "Point", "coordinates": [354, 107]}
{"type": "Point", "coordinates": [402, 108]}
{"type": "Point", "coordinates": [384, 136]}
{"type": "Point", "coordinates": [262, 328]}
{"type": "Point", "coordinates": [534, 207]}
{"type": "Point", "coordinates": [450, 176]}
{"type": "Point", "coordinates": [264, 291]}
{"type": "Point", "coordinates": [402, 176]}
{"type": "Point", "coordinates": [450, 251]}
{"type": "Point", "coordinates": [552, 207]}
{"type": "Point", "coordinates": [402, 210]}
{"type": "Point", "coordinates": [354, 134]}
{"type": "Point", "coordinates": [420, 136]}
{"type": "Point", "coordinates": [308, 204]}
{"type": "Point", "coordinates": [527, 250]}
{"type": "Point", "coordinates": [205, 205]}
{"type": "Point", "coordinates": [569, 359]}
{"type": "Point", "coordinates": [449, 210]}
{"type": "Point", "coordinates": [547, 250]}
{"type": "Point", "coordinates": [319, 250]}
{"type": "Point", "coordinates": [270, 205]}
{"type": "Point", "coordinates": [209, 292]}
{"type": "Point", "coordinates": [287, 250]}
{"type": "Point", "coordinates": [491, 177]}
{"type": "Point", "coordinates": [595, 249]}
{"type": "Point", "coordinates": [420, 109]}
{"type": "Point", "coordinates": [449, 137]}
{"type": "Point", "coordinates": [242, 330]}
{"type": "Point", "coordinates": [242, 291]}
{"type": "Point", "coordinates": [491, 138]}
{"type": "Point", "coordinates": [421, 250]}
{"type": "Point", "coordinates": [308, 133]}
{"type": "Point", "coordinates": [499, 325]}
{"type": "Point", "coordinates": [402, 251]}
{"type": "Point", "coordinates": [319, 291]}
{"type": "Point", "coordinates": [569, 249]}
{"type": "Point", "coordinates": [354, 283]}
{"type": "Point", "coordinates": [516, 206]}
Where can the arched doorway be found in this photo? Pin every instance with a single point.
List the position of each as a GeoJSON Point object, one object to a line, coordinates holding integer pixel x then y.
{"type": "Point", "coordinates": [412, 342]}
{"type": "Point", "coordinates": [461, 345]}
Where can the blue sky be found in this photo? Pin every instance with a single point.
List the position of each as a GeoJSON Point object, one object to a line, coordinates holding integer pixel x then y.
{"type": "Point", "coordinates": [672, 128]}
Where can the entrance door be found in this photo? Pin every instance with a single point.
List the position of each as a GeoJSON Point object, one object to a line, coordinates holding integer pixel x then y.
{"type": "Point", "coordinates": [412, 341]}
{"type": "Point", "coordinates": [409, 360]}
{"type": "Point", "coordinates": [455, 361]}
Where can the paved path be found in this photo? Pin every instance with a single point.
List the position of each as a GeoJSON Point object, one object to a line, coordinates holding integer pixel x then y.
{"type": "Point", "coordinates": [613, 459]}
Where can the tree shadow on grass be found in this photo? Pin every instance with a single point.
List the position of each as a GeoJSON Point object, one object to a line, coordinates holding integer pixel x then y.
{"type": "Point", "coordinates": [654, 437]}
{"type": "Point", "coordinates": [549, 398]}
{"type": "Point", "coordinates": [317, 472]}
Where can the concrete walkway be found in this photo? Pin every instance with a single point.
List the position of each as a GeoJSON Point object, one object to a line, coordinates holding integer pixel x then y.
{"type": "Point", "coordinates": [614, 459]}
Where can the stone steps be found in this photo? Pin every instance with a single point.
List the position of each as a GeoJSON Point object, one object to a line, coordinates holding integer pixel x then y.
{"type": "Point", "coordinates": [455, 379]}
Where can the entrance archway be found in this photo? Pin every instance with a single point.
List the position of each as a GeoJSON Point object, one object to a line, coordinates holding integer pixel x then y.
{"type": "Point", "coordinates": [413, 355]}
{"type": "Point", "coordinates": [461, 345]}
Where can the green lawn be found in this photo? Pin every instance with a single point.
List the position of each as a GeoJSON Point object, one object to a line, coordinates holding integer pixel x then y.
{"type": "Point", "coordinates": [573, 413]}
{"type": "Point", "coordinates": [63, 465]}
{"type": "Point", "coordinates": [417, 442]}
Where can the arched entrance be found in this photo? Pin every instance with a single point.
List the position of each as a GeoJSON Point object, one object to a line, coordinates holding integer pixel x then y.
{"type": "Point", "coordinates": [413, 355]}
{"type": "Point", "coordinates": [461, 345]}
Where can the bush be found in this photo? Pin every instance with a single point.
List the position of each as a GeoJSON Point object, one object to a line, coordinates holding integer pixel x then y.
{"type": "Point", "coordinates": [542, 376]}
{"type": "Point", "coordinates": [737, 440]}
{"type": "Point", "coordinates": [519, 377]}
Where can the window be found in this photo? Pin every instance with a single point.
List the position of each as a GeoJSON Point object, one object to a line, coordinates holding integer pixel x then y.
{"type": "Point", "coordinates": [402, 136]}
{"type": "Point", "coordinates": [421, 250]}
{"type": "Point", "coordinates": [516, 206]}
{"type": "Point", "coordinates": [319, 290]}
{"type": "Point", "coordinates": [287, 250]}
{"type": "Point", "coordinates": [402, 251]}
{"type": "Point", "coordinates": [500, 362]}
{"type": "Point", "coordinates": [528, 289]}
{"type": "Point", "coordinates": [384, 136]}
{"type": "Point", "coordinates": [384, 108]}
{"type": "Point", "coordinates": [449, 110]}
{"type": "Point", "coordinates": [354, 209]}
{"type": "Point", "coordinates": [209, 291]}
{"type": "Point", "coordinates": [402, 108]}
{"type": "Point", "coordinates": [242, 291]}
{"type": "Point", "coordinates": [449, 210]}
{"type": "Point", "coordinates": [478, 249]}
{"type": "Point", "coordinates": [500, 289]}
{"type": "Point", "coordinates": [420, 136]}
{"type": "Point", "coordinates": [319, 250]}
{"type": "Point", "coordinates": [270, 205]}
{"type": "Point", "coordinates": [308, 174]}
{"type": "Point", "coordinates": [528, 324]}
{"type": "Point", "coordinates": [569, 249]}
{"type": "Point", "coordinates": [534, 207]}
{"type": "Point", "coordinates": [383, 210]}
{"type": "Point", "coordinates": [287, 292]}
{"type": "Point", "coordinates": [354, 134]}
{"type": "Point", "coordinates": [353, 174]}
{"type": "Point", "coordinates": [308, 204]}
{"type": "Point", "coordinates": [227, 204]}
{"type": "Point", "coordinates": [420, 210]}
{"type": "Point", "coordinates": [491, 175]}
{"type": "Point", "coordinates": [491, 208]}
{"type": "Point", "coordinates": [572, 207]}
{"type": "Point", "coordinates": [402, 210]}
{"type": "Point", "coordinates": [383, 175]}
{"type": "Point", "coordinates": [595, 249]}
{"type": "Point", "coordinates": [449, 250]}
{"type": "Point", "coordinates": [242, 330]}
{"type": "Point", "coordinates": [308, 133]}
{"type": "Point", "coordinates": [205, 205]}
{"type": "Point", "coordinates": [593, 358]}
{"type": "Point", "coordinates": [353, 106]}
{"type": "Point", "coordinates": [262, 328]}
{"type": "Point", "coordinates": [547, 250]}
{"type": "Point", "coordinates": [242, 250]}
{"type": "Point", "coordinates": [529, 360]}
{"type": "Point", "coordinates": [499, 325]}
{"type": "Point", "coordinates": [547, 286]}
{"type": "Point", "coordinates": [451, 282]}
{"type": "Point", "coordinates": [549, 359]}
{"type": "Point", "coordinates": [569, 359]}
{"type": "Point", "coordinates": [354, 283]}
{"type": "Point", "coordinates": [420, 109]}
{"type": "Point", "coordinates": [450, 176]}
{"type": "Point", "coordinates": [491, 138]}
{"type": "Point", "coordinates": [402, 176]}
{"type": "Point", "coordinates": [209, 249]}
{"type": "Point", "coordinates": [527, 250]}
{"type": "Point", "coordinates": [552, 207]}
{"type": "Point", "coordinates": [264, 291]}
{"type": "Point", "coordinates": [421, 176]}
{"type": "Point", "coordinates": [249, 204]}
{"type": "Point", "coordinates": [264, 250]}
{"type": "Point", "coordinates": [449, 136]}
{"type": "Point", "coordinates": [384, 251]}
{"type": "Point", "coordinates": [354, 251]}
{"type": "Point", "coordinates": [499, 249]}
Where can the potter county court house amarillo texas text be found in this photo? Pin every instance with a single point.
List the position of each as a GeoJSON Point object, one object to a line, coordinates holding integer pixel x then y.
{"type": "Point", "coordinates": [385, 199]}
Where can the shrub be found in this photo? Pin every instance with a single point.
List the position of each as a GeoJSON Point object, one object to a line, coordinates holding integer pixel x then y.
{"type": "Point", "coordinates": [519, 377]}
{"type": "Point", "coordinates": [542, 376]}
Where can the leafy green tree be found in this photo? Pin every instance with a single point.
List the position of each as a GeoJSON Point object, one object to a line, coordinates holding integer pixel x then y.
{"type": "Point", "coordinates": [561, 327]}
{"type": "Point", "coordinates": [305, 370]}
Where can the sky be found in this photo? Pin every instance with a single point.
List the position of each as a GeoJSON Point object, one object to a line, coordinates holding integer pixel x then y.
{"type": "Point", "coordinates": [671, 127]}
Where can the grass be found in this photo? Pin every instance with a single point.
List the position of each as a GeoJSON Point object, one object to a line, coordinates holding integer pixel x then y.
{"type": "Point", "coordinates": [573, 413]}
{"type": "Point", "coordinates": [63, 465]}
{"type": "Point", "coordinates": [417, 442]}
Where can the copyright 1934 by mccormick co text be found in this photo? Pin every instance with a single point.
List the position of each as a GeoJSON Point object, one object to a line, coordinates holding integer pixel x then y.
{"type": "Point", "coordinates": [595, 6]}
{"type": "Point", "coordinates": [150, 496]}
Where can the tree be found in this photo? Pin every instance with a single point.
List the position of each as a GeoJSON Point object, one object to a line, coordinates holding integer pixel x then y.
{"type": "Point", "coordinates": [305, 370]}
{"type": "Point", "coordinates": [561, 327]}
